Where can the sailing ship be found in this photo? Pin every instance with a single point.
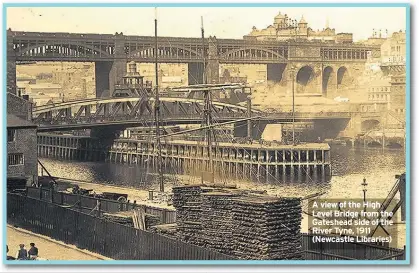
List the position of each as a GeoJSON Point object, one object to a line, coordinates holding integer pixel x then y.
{"type": "Point", "coordinates": [206, 155]}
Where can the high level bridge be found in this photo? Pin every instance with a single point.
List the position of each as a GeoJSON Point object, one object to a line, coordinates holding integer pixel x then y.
{"type": "Point", "coordinates": [324, 66]}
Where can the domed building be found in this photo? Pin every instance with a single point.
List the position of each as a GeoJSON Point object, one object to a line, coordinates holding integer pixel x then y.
{"type": "Point", "coordinates": [285, 28]}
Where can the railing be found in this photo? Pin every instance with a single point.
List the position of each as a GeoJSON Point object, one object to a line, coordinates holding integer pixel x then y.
{"type": "Point", "coordinates": [125, 243]}
{"type": "Point", "coordinates": [87, 203]}
{"type": "Point", "coordinates": [98, 235]}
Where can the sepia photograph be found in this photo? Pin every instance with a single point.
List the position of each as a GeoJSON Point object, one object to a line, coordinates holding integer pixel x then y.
{"type": "Point", "coordinates": [207, 133]}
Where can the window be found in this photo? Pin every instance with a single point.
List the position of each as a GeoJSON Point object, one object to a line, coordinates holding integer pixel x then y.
{"type": "Point", "coordinates": [15, 159]}
{"type": "Point", "coordinates": [11, 135]}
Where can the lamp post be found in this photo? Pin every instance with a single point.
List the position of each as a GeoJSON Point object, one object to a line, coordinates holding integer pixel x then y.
{"type": "Point", "coordinates": [293, 105]}
{"type": "Point", "coordinates": [364, 189]}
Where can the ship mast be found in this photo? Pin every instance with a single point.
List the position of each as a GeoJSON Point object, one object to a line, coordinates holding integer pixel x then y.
{"type": "Point", "coordinates": [293, 108]}
{"type": "Point", "coordinates": [204, 78]}
{"type": "Point", "coordinates": [207, 107]}
{"type": "Point", "coordinates": [157, 108]}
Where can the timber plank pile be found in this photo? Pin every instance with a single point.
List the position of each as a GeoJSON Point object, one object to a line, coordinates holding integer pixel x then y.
{"type": "Point", "coordinates": [188, 203]}
{"type": "Point", "coordinates": [240, 223]}
{"type": "Point", "coordinates": [123, 218]}
{"type": "Point", "coordinates": [166, 229]}
{"type": "Point", "coordinates": [152, 220]}
{"type": "Point", "coordinates": [217, 217]}
{"type": "Point", "coordinates": [267, 228]}
{"type": "Point", "coordinates": [126, 218]}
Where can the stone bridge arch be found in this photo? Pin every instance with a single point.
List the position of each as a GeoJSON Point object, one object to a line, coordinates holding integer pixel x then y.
{"type": "Point", "coordinates": [370, 124]}
{"type": "Point", "coordinates": [343, 78]}
{"type": "Point", "coordinates": [328, 80]}
{"type": "Point", "coordinates": [306, 80]}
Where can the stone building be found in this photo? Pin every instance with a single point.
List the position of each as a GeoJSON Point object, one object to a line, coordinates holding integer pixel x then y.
{"type": "Point", "coordinates": [398, 95]}
{"type": "Point", "coordinates": [22, 158]}
{"type": "Point", "coordinates": [379, 91]}
{"type": "Point", "coordinates": [393, 50]}
{"type": "Point", "coordinates": [284, 28]}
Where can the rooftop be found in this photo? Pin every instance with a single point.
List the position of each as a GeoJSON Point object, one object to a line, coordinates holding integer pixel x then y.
{"type": "Point", "coordinates": [16, 122]}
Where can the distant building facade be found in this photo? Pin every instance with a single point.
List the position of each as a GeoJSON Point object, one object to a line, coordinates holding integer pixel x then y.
{"type": "Point", "coordinates": [379, 91]}
{"type": "Point", "coordinates": [285, 28]}
{"type": "Point", "coordinates": [398, 94]}
{"type": "Point", "coordinates": [41, 93]}
{"type": "Point", "coordinates": [393, 50]}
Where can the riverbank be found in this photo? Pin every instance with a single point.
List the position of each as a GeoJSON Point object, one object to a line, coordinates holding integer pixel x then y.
{"type": "Point", "coordinates": [138, 195]}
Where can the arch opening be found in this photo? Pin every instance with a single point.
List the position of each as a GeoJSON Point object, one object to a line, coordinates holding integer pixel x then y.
{"type": "Point", "coordinates": [342, 77]}
{"type": "Point", "coordinates": [275, 72]}
{"type": "Point", "coordinates": [394, 145]}
{"type": "Point", "coordinates": [305, 80]}
{"type": "Point", "coordinates": [369, 125]}
{"type": "Point", "coordinates": [327, 79]}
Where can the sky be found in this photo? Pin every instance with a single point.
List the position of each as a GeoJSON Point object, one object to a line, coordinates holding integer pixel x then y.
{"type": "Point", "coordinates": [225, 22]}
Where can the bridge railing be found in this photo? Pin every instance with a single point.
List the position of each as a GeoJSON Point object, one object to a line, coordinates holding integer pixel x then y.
{"type": "Point", "coordinates": [98, 119]}
{"type": "Point", "coordinates": [310, 114]}
{"type": "Point", "coordinates": [136, 118]}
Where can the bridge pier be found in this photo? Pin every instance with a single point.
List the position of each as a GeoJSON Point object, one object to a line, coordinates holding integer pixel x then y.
{"type": "Point", "coordinates": [213, 62]}
{"type": "Point", "coordinates": [107, 74]}
{"type": "Point", "coordinates": [241, 129]}
{"type": "Point", "coordinates": [11, 68]}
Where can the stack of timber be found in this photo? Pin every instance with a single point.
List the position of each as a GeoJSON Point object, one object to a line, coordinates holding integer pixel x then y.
{"type": "Point", "coordinates": [188, 203]}
{"type": "Point", "coordinates": [267, 228]}
{"type": "Point", "coordinates": [169, 230]}
{"type": "Point", "coordinates": [123, 218]}
{"type": "Point", "coordinates": [128, 219]}
{"type": "Point", "coordinates": [239, 223]}
{"type": "Point", "coordinates": [217, 219]}
{"type": "Point", "coordinates": [152, 220]}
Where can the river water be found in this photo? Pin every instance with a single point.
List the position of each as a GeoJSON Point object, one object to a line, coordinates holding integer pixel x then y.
{"type": "Point", "coordinates": [349, 167]}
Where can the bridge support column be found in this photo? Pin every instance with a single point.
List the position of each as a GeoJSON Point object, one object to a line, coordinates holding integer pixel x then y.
{"type": "Point", "coordinates": [11, 68]}
{"type": "Point", "coordinates": [102, 71]}
{"type": "Point", "coordinates": [109, 73]}
{"type": "Point", "coordinates": [213, 63]}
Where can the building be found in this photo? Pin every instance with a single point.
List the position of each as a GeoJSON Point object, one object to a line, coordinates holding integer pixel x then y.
{"type": "Point", "coordinates": [398, 95]}
{"type": "Point", "coordinates": [46, 88]}
{"type": "Point", "coordinates": [379, 91]}
{"type": "Point", "coordinates": [22, 157]}
{"type": "Point", "coordinates": [393, 50]}
{"type": "Point", "coordinates": [42, 93]}
{"type": "Point", "coordinates": [285, 28]}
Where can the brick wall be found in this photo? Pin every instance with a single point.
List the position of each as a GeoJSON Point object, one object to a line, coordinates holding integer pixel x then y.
{"type": "Point", "coordinates": [19, 107]}
{"type": "Point", "coordinates": [25, 142]}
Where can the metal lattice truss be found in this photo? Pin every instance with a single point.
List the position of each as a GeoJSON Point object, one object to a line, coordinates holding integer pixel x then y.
{"type": "Point", "coordinates": [132, 109]}
{"type": "Point", "coordinates": [30, 46]}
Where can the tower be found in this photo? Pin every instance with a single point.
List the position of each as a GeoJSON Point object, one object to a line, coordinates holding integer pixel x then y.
{"type": "Point", "coordinates": [280, 21]}
{"type": "Point", "coordinates": [302, 26]}
{"type": "Point", "coordinates": [132, 84]}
